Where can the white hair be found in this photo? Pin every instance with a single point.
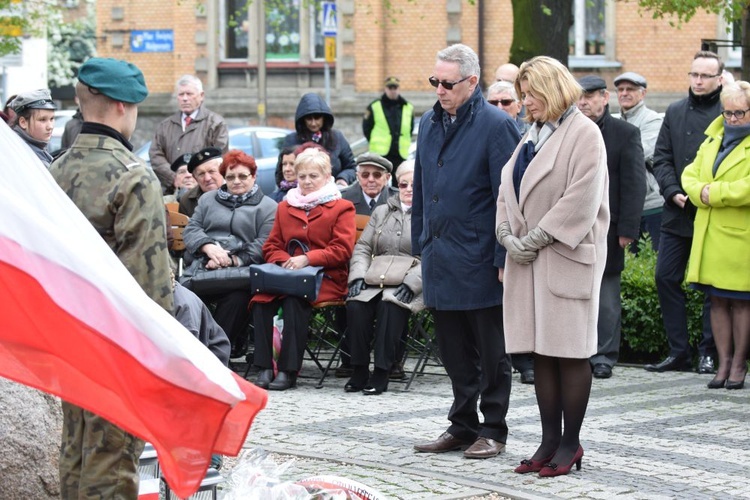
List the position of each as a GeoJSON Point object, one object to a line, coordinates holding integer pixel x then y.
{"type": "Point", "coordinates": [190, 80]}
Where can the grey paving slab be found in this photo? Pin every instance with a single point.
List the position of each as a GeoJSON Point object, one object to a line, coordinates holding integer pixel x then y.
{"type": "Point", "coordinates": [646, 436]}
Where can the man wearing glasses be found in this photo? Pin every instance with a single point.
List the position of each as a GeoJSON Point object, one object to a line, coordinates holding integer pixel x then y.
{"type": "Point", "coordinates": [462, 146]}
{"type": "Point", "coordinates": [372, 188]}
{"type": "Point", "coordinates": [388, 124]}
{"type": "Point", "coordinates": [681, 134]}
{"type": "Point", "coordinates": [503, 95]}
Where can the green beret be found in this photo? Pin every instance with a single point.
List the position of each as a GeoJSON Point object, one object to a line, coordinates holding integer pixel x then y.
{"type": "Point", "coordinates": [118, 80]}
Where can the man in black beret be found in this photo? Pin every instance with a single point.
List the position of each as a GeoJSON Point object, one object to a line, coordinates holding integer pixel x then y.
{"type": "Point", "coordinates": [183, 180]}
{"type": "Point", "coordinates": [204, 166]}
{"type": "Point", "coordinates": [627, 190]}
{"type": "Point", "coordinates": [121, 198]}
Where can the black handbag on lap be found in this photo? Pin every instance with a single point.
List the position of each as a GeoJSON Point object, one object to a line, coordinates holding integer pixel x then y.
{"type": "Point", "coordinates": [204, 281]}
{"type": "Point", "coordinates": [276, 280]}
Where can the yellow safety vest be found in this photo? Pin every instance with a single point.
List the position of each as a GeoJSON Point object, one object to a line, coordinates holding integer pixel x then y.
{"type": "Point", "coordinates": [380, 137]}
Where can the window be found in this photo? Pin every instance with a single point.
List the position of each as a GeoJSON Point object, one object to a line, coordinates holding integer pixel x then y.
{"type": "Point", "coordinates": [587, 36]}
{"type": "Point", "coordinates": [293, 30]}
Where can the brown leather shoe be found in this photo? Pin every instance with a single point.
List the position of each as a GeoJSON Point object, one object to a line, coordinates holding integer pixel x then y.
{"type": "Point", "coordinates": [484, 448]}
{"type": "Point", "coordinates": [446, 442]}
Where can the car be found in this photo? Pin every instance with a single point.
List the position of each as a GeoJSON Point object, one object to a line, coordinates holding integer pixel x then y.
{"type": "Point", "coordinates": [62, 116]}
{"type": "Point", "coordinates": [262, 143]}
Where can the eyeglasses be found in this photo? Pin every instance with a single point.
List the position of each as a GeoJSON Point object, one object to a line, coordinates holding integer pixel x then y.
{"type": "Point", "coordinates": [446, 84]}
{"type": "Point", "coordinates": [504, 102]}
{"type": "Point", "coordinates": [404, 185]}
{"type": "Point", "coordinates": [701, 76]}
{"type": "Point", "coordinates": [739, 114]}
{"type": "Point", "coordinates": [232, 177]}
{"type": "Point", "coordinates": [376, 174]}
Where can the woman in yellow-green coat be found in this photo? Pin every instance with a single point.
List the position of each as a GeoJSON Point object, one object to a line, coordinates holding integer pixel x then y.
{"type": "Point", "coordinates": [718, 184]}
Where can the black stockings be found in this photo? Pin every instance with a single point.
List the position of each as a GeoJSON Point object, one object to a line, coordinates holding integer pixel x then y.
{"type": "Point", "coordinates": [730, 323]}
{"type": "Point", "coordinates": [562, 388]}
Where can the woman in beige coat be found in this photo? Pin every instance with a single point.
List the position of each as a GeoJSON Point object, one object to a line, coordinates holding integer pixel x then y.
{"type": "Point", "coordinates": [553, 217]}
{"type": "Point", "coordinates": [378, 311]}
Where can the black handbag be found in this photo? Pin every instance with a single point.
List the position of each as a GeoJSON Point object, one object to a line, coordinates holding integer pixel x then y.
{"type": "Point", "coordinates": [276, 280]}
{"type": "Point", "coordinates": [204, 281]}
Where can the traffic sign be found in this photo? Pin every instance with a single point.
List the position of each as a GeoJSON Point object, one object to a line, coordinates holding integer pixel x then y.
{"type": "Point", "coordinates": [330, 49]}
{"type": "Point", "coordinates": [329, 19]}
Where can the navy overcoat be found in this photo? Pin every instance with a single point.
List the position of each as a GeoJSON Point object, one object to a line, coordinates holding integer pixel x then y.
{"type": "Point", "coordinates": [456, 180]}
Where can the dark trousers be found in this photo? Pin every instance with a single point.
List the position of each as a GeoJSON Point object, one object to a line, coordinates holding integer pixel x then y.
{"type": "Point", "coordinates": [378, 319]}
{"type": "Point", "coordinates": [296, 313]}
{"type": "Point", "coordinates": [651, 225]}
{"type": "Point", "coordinates": [472, 347]}
{"type": "Point", "coordinates": [671, 263]}
{"type": "Point", "coordinates": [232, 314]}
{"type": "Point", "coordinates": [609, 326]}
{"type": "Point", "coordinates": [522, 362]}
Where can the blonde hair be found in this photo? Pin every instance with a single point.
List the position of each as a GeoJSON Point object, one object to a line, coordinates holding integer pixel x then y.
{"type": "Point", "coordinates": [313, 157]}
{"type": "Point", "coordinates": [406, 167]}
{"type": "Point", "coordinates": [736, 90]}
{"type": "Point", "coordinates": [550, 82]}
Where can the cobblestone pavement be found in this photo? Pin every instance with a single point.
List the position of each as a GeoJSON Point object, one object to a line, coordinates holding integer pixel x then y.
{"type": "Point", "coordinates": [646, 436]}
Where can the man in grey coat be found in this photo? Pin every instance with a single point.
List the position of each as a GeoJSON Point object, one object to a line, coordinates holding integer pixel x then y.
{"type": "Point", "coordinates": [192, 128]}
{"type": "Point", "coordinates": [462, 146]}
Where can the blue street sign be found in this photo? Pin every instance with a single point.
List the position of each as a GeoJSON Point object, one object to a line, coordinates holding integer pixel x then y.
{"type": "Point", "coordinates": [152, 41]}
{"type": "Point", "coordinates": [329, 19]}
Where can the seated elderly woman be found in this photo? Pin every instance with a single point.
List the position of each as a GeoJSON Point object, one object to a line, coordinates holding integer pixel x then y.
{"type": "Point", "coordinates": [228, 228]}
{"type": "Point", "coordinates": [314, 214]}
{"type": "Point", "coordinates": [382, 311]}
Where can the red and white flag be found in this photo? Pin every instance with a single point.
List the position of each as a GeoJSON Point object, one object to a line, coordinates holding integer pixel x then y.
{"type": "Point", "coordinates": [76, 324]}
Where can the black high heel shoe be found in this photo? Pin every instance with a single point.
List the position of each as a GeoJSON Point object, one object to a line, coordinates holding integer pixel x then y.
{"type": "Point", "coordinates": [283, 381]}
{"type": "Point", "coordinates": [378, 383]}
{"type": "Point", "coordinates": [736, 384]}
{"type": "Point", "coordinates": [717, 383]}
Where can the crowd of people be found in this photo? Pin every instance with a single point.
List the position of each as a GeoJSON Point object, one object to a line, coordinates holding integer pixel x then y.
{"type": "Point", "coordinates": [535, 191]}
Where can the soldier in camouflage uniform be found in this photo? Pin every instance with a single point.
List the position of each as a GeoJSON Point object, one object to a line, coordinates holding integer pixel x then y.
{"type": "Point", "coordinates": [121, 198]}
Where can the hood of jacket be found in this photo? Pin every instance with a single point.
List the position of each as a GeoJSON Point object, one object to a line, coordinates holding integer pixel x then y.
{"type": "Point", "coordinates": [312, 104]}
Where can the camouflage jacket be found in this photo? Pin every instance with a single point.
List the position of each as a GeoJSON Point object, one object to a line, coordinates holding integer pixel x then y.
{"type": "Point", "coordinates": [121, 198]}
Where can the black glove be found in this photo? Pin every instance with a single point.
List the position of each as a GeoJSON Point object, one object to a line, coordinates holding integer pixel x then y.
{"type": "Point", "coordinates": [404, 294]}
{"type": "Point", "coordinates": [356, 286]}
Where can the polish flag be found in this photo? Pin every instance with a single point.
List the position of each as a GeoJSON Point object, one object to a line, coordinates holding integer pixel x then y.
{"type": "Point", "coordinates": [76, 324]}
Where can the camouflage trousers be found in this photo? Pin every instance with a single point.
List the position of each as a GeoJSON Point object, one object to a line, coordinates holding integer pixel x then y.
{"type": "Point", "coordinates": [98, 460]}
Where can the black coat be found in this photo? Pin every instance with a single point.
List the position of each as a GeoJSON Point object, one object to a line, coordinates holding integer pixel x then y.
{"type": "Point", "coordinates": [627, 185]}
{"type": "Point", "coordinates": [681, 134]}
{"type": "Point", "coordinates": [342, 158]}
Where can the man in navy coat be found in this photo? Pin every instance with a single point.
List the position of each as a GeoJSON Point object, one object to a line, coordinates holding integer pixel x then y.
{"type": "Point", "coordinates": [462, 146]}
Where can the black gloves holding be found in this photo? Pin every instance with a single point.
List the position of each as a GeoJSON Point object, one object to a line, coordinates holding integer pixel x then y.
{"type": "Point", "coordinates": [404, 294]}
{"type": "Point", "coordinates": [356, 287]}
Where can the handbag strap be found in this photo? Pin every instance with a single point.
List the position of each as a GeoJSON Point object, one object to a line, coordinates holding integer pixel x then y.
{"type": "Point", "coordinates": [294, 242]}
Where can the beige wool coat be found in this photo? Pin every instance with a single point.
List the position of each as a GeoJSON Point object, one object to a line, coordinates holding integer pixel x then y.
{"type": "Point", "coordinates": [551, 306]}
{"type": "Point", "coordinates": [387, 233]}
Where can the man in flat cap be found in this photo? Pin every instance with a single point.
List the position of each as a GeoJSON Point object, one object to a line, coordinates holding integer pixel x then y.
{"type": "Point", "coordinates": [35, 121]}
{"type": "Point", "coordinates": [631, 91]}
{"type": "Point", "coordinates": [121, 198]}
{"type": "Point", "coordinates": [191, 128]}
{"type": "Point", "coordinates": [373, 186]}
{"type": "Point", "coordinates": [627, 189]}
{"type": "Point", "coordinates": [388, 124]}
{"type": "Point", "coordinates": [204, 167]}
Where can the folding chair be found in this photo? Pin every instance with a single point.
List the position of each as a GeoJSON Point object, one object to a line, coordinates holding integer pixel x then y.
{"type": "Point", "coordinates": [361, 221]}
{"type": "Point", "coordinates": [177, 222]}
{"type": "Point", "coordinates": [421, 341]}
{"type": "Point", "coordinates": [172, 206]}
{"type": "Point", "coordinates": [324, 338]}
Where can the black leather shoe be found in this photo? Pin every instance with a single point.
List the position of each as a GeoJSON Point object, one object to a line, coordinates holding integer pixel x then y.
{"type": "Point", "coordinates": [397, 372]}
{"type": "Point", "coordinates": [527, 377]}
{"type": "Point", "coordinates": [446, 442]}
{"type": "Point", "coordinates": [344, 371]}
{"type": "Point", "coordinates": [602, 371]}
{"type": "Point", "coordinates": [283, 381]}
{"type": "Point", "coordinates": [265, 377]}
{"type": "Point", "coordinates": [359, 378]}
{"type": "Point", "coordinates": [671, 364]}
{"type": "Point", "coordinates": [378, 383]}
{"type": "Point", "coordinates": [706, 365]}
